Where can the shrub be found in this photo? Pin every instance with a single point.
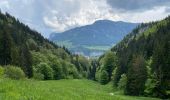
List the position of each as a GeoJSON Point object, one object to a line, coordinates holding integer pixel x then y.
{"type": "Point", "coordinates": [1, 72]}
{"type": "Point", "coordinates": [58, 71]}
{"type": "Point", "coordinates": [14, 72]}
{"type": "Point", "coordinates": [104, 78]}
{"type": "Point", "coordinates": [45, 70]}
{"type": "Point", "coordinates": [122, 82]}
{"type": "Point", "coordinates": [38, 76]}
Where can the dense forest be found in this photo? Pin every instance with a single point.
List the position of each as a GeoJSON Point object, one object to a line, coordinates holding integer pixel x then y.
{"type": "Point", "coordinates": [140, 63]}
{"type": "Point", "coordinates": [39, 58]}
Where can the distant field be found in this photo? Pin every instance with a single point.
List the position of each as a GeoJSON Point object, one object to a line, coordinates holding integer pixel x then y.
{"type": "Point", "coordinates": [65, 43]}
{"type": "Point", "coordinates": [59, 90]}
{"type": "Point", "coordinates": [99, 48]}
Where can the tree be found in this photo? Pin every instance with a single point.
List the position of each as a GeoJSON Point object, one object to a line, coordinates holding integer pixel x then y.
{"type": "Point", "coordinates": [109, 63]}
{"type": "Point", "coordinates": [26, 61]}
{"type": "Point", "coordinates": [122, 82]}
{"type": "Point", "coordinates": [104, 77]}
{"type": "Point", "coordinates": [46, 70]}
{"type": "Point", "coordinates": [5, 47]}
{"type": "Point", "coordinates": [57, 68]}
{"type": "Point", "coordinates": [136, 76]}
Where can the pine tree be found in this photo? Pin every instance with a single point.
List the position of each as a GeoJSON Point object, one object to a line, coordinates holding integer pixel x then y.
{"type": "Point", "coordinates": [136, 76]}
{"type": "Point", "coordinates": [5, 47]}
{"type": "Point", "coordinates": [26, 61]}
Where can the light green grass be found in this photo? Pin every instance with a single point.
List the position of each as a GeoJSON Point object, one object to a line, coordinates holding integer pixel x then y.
{"type": "Point", "coordinates": [59, 90]}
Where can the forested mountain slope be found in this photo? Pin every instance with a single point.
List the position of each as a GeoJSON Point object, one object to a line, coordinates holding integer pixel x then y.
{"type": "Point", "coordinates": [35, 55]}
{"type": "Point", "coordinates": [141, 61]}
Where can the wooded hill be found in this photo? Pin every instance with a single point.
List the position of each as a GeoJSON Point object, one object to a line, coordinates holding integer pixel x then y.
{"type": "Point", "coordinates": [141, 61]}
{"type": "Point", "coordinates": [36, 56]}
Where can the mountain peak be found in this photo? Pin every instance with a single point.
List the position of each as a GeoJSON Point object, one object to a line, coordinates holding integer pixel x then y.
{"type": "Point", "coordinates": [95, 38]}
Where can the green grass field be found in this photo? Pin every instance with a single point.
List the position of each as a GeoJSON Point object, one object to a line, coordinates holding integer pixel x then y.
{"type": "Point", "coordinates": [59, 90]}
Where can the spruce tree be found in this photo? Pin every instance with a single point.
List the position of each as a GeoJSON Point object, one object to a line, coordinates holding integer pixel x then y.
{"type": "Point", "coordinates": [136, 76]}
{"type": "Point", "coordinates": [5, 47]}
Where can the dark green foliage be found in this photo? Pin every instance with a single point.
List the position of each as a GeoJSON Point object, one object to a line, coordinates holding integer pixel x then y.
{"type": "Point", "coordinates": [136, 76]}
{"type": "Point", "coordinates": [104, 77]}
{"type": "Point", "coordinates": [14, 72]}
{"type": "Point", "coordinates": [5, 47]}
{"type": "Point", "coordinates": [93, 68]}
{"type": "Point", "coordinates": [26, 61]}
{"type": "Point", "coordinates": [152, 42]}
{"type": "Point", "coordinates": [109, 63]}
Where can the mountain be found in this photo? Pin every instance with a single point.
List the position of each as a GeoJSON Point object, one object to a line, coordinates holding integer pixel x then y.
{"type": "Point", "coordinates": [93, 39]}
{"type": "Point", "coordinates": [38, 57]}
{"type": "Point", "coordinates": [144, 60]}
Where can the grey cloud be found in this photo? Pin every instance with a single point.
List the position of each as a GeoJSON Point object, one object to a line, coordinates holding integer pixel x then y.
{"type": "Point", "coordinates": [137, 5]}
{"type": "Point", "coordinates": [167, 10]}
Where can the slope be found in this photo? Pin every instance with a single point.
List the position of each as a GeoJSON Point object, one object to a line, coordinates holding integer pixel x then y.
{"type": "Point", "coordinates": [95, 38]}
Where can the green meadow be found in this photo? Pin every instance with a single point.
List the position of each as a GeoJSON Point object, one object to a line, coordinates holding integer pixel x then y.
{"type": "Point", "coordinates": [60, 90]}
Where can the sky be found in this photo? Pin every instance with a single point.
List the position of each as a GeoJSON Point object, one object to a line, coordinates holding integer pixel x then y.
{"type": "Point", "coordinates": [47, 16]}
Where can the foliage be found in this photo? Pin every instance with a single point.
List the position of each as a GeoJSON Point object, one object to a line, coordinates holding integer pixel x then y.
{"type": "Point", "coordinates": [26, 48]}
{"type": "Point", "coordinates": [122, 82]}
{"type": "Point", "coordinates": [104, 77]}
{"type": "Point", "coordinates": [38, 76]}
{"type": "Point", "coordinates": [1, 72]}
{"type": "Point", "coordinates": [136, 76]}
{"type": "Point", "coordinates": [45, 70]}
{"type": "Point", "coordinates": [14, 72]}
{"type": "Point", "coordinates": [152, 41]}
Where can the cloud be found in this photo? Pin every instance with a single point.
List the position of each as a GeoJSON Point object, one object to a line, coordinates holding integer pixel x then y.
{"type": "Point", "coordinates": [137, 5]}
{"type": "Point", "coordinates": [77, 13]}
{"type": "Point", "coordinates": [48, 16]}
{"type": "Point", "coordinates": [4, 4]}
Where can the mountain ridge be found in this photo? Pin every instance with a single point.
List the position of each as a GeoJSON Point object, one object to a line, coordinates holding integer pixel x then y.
{"type": "Point", "coordinates": [102, 33]}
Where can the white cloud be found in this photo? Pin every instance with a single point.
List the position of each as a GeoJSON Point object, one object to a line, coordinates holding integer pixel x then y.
{"type": "Point", "coordinates": [47, 16]}
{"type": "Point", "coordinates": [4, 4]}
{"type": "Point", "coordinates": [84, 12]}
{"type": "Point", "coordinates": [158, 13]}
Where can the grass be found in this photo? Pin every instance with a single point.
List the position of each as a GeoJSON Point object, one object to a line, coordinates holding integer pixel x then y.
{"type": "Point", "coordinates": [59, 90]}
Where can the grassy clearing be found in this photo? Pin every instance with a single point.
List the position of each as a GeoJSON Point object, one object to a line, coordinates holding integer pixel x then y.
{"type": "Point", "coordinates": [59, 90]}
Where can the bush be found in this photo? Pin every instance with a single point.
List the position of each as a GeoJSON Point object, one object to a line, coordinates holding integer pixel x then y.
{"type": "Point", "coordinates": [104, 77]}
{"type": "Point", "coordinates": [58, 71]}
{"type": "Point", "coordinates": [1, 72]}
{"type": "Point", "coordinates": [45, 70]}
{"type": "Point", "coordinates": [122, 82]}
{"type": "Point", "coordinates": [14, 72]}
{"type": "Point", "coordinates": [38, 76]}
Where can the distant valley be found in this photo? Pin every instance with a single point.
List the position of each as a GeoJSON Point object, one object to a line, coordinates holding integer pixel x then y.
{"type": "Point", "coordinates": [93, 40]}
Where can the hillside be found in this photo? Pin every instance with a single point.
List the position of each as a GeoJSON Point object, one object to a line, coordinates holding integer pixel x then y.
{"type": "Point", "coordinates": [38, 57]}
{"type": "Point", "coordinates": [141, 60]}
{"type": "Point", "coordinates": [92, 40]}
{"type": "Point", "coordinates": [62, 89]}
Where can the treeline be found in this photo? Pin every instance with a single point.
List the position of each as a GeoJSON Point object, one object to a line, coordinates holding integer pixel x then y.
{"type": "Point", "coordinates": [39, 58]}
{"type": "Point", "coordinates": [140, 63]}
